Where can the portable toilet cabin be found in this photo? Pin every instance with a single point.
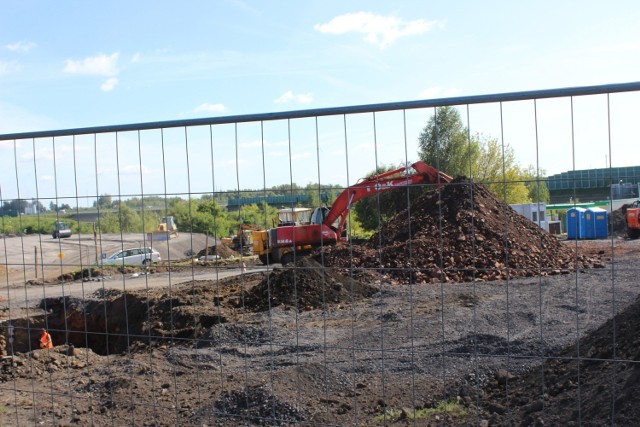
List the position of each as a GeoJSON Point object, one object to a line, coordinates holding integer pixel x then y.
{"type": "Point", "coordinates": [576, 223]}
{"type": "Point", "coordinates": [596, 224]}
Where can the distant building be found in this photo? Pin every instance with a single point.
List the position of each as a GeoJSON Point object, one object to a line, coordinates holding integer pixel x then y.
{"type": "Point", "coordinates": [589, 185]}
{"type": "Point", "coordinates": [535, 212]}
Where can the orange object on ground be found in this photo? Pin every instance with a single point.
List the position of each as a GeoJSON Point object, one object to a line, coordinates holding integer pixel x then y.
{"type": "Point", "coordinates": [45, 340]}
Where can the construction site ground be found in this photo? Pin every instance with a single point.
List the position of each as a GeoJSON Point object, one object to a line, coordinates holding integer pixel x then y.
{"type": "Point", "coordinates": [212, 353]}
{"type": "Point", "coordinates": [458, 312]}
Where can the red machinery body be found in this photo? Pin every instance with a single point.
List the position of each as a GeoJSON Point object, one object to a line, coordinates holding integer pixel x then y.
{"type": "Point", "coordinates": [633, 220]}
{"type": "Point", "coordinates": [297, 235]}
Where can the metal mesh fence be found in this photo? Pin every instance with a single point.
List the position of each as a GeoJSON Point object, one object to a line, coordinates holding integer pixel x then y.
{"type": "Point", "coordinates": [180, 280]}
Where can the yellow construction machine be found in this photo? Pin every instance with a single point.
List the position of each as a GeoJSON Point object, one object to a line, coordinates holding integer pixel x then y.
{"type": "Point", "coordinates": [167, 229]}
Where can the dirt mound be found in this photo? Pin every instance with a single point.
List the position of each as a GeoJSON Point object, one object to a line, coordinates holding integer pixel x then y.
{"type": "Point", "coordinates": [256, 406]}
{"type": "Point", "coordinates": [461, 232]}
{"type": "Point", "coordinates": [593, 382]}
{"type": "Point", "coordinates": [221, 250]}
{"type": "Point", "coordinates": [618, 220]}
{"type": "Point", "coordinates": [307, 286]}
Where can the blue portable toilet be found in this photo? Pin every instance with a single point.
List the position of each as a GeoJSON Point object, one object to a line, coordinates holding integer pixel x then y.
{"type": "Point", "coordinates": [576, 223]}
{"type": "Point", "coordinates": [596, 224]}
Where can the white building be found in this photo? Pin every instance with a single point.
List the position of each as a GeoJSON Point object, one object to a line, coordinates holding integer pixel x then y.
{"type": "Point", "coordinates": [535, 212]}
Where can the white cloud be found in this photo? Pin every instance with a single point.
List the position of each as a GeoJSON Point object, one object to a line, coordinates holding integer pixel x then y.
{"type": "Point", "coordinates": [377, 29]}
{"type": "Point", "coordinates": [133, 169]}
{"type": "Point", "coordinates": [99, 65]}
{"type": "Point", "coordinates": [233, 162]}
{"type": "Point", "coordinates": [252, 144]}
{"type": "Point", "coordinates": [300, 156]}
{"type": "Point", "coordinates": [369, 146]}
{"type": "Point", "coordinates": [7, 67]}
{"type": "Point", "coordinates": [209, 108]}
{"type": "Point", "coordinates": [259, 143]}
{"type": "Point", "coordinates": [109, 84]}
{"type": "Point", "coordinates": [289, 96]}
{"type": "Point", "coordinates": [135, 57]}
{"type": "Point", "coordinates": [21, 46]}
{"type": "Point", "coordinates": [438, 92]}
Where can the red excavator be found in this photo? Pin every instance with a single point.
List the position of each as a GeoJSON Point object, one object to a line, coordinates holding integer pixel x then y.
{"type": "Point", "coordinates": [633, 220]}
{"type": "Point", "coordinates": [300, 229]}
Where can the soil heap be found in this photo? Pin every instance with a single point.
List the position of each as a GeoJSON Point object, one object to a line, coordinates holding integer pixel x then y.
{"type": "Point", "coordinates": [223, 250]}
{"type": "Point", "coordinates": [601, 388]}
{"type": "Point", "coordinates": [305, 287]}
{"type": "Point", "coordinates": [618, 220]}
{"type": "Point", "coordinates": [460, 232]}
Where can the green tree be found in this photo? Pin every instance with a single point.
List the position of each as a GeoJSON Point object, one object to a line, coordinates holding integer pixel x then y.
{"type": "Point", "coordinates": [445, 144]}
{"type": "Point", "coordinates": [129, 220]}
{"type": "Point", "coordinates": [497, 169]}
{"type": "Point", "coordinates": [536, 185]}
{"type": "Point", "coordinates": [199, 216]}
{"type": "Point", "coordinates": [104, 202]}
{"type": "Point", "coordinates": [371, 212]}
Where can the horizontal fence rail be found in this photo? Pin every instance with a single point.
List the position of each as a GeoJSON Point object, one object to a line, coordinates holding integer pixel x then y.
{"type": "Point", "coordinates": [391, 106]}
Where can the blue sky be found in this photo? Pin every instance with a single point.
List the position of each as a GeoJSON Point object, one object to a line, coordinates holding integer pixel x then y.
{"type": "Point", "coordinates": [79, 64]}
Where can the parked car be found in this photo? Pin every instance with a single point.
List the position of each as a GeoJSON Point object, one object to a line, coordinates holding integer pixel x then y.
{"type": "Point", "coordinates": [133, 256]}
{"type": "Point", "coordinates": [61, 230]}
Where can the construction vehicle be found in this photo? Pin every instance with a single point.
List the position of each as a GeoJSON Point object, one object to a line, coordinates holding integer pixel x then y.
{"type": "Point", "coordinates": [61, 230]}
{"type": "Point", "coordinates": [242, 242]}
{"type": "Point", "coordinates": [299, 230]}
{"type": "Point", "coordinates": [167, 229]}
{"type": "Point", "coordinates": [633, 220]}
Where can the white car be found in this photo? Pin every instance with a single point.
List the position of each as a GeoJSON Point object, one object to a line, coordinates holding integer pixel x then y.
{"type": "Point", "coordinates": [133, 256]}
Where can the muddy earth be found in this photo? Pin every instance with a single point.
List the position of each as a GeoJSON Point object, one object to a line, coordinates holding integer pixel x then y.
{"type": "Point", "coordinates": [473, 323]}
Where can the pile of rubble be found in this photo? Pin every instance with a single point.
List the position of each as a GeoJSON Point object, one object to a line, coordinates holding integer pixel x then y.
{"type": "Point", "coordinates": [618, 221]}
{"type": "Point", "coordinates": [222, 250]}
{"type": "Point", "coordinates": [305, 287]}
{"type": "Point", "coordinates": [461, 232]}
{"type": "Point", "coordinates": [607, 373]}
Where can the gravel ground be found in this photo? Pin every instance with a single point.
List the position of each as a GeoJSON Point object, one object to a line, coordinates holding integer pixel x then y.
{"type": "Point", "coordinates": [503, 352]}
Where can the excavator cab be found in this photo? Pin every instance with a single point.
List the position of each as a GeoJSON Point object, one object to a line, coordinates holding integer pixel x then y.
{"type": "Point", "coordinates": [294, 216]}
{"type": "Point", "coordinates": [319, 214]}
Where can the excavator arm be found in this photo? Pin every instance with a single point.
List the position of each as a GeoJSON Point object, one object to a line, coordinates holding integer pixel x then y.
{"type": "Point", "coordinates": [417, 173]}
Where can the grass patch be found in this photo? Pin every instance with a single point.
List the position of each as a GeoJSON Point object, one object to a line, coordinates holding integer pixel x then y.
{"type": "Point", "coordinates": [448, 407]}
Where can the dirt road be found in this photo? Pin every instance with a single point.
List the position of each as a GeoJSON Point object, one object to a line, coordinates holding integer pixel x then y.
{"type": "Point", "coordinates": [34, 256]}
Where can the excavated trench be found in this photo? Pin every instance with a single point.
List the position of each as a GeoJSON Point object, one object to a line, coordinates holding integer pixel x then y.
{"type": "Point", "coordinates": [111, 326]}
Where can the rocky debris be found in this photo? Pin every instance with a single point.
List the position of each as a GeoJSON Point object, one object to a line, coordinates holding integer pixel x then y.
{"type": "Point", "coordinates": [35, 364]}
{"type": "Point", "coordinates": [222, 250]}
{"type": "Point", "coordinates": [618, 221]}
{"type": "Point", "coordinates": [305, 287]}
{"type": "Point", "coordinates": [256, 406]}
{"type": "Point", "coordinates": [596, 381]}
{"type": "Point", "coordinates": [460, 232]}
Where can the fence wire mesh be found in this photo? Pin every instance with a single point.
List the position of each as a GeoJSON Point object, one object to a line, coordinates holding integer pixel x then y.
{"type": "Point", "coordinates": [177, 271]}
